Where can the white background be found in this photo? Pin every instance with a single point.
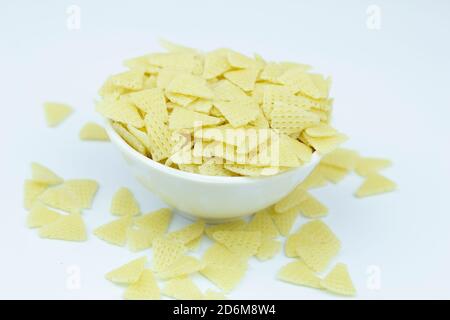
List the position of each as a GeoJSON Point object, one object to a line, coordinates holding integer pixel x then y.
{"type": "Point", "coordinates": [391, 98]}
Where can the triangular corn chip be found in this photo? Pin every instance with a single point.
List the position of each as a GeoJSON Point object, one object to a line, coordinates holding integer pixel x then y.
{"type": "Point", "coordinates": [284, 220]}
{"type": "Point", "coordinates": [115, 232]}
{"type": "Point", "coordinates": [121, 111]}
{"type": "Point", "coordinates": [146, 288]}
{"type": "Point", "coordinates": [191, 86]}
{"type": "Point", "coordinates": [224, 90]}
{"type": "Point", "coordinates": [132, 80]}
{"type": "Point", "coordinates": [152, 102]}
{"type": "Point", "coordinates": [40, 216]}
{"type": "Point", "coordinates": [181, 118]}
{"type": "Point", "coordinates": [268, 249]}
{"type": "Point", "coordinates": [141, 238]}
{"type": "Point", "coordinates": [263, 223]}
{"type": "Point", "coordinates": [338, 281]}
{"type": "Point", "coordinates": [93, 131]}
{"type": "Point", "coordinates": [188, 233]}
{"type": "Point", "coordinates": [194, 243]}
{"type": "Point", "coordinates": [225, 277]}
{"type": "Point", "coordinates": [324, 145]}
{"type": "Point", "coordinates": [375, 184]}
{"type": "Point", "coordinates": [129, 138]}
{"type": "Point", "coordinates": [243, 243]}
{"type": "Point", "coordinates": [166, 252]}
{"type": "Point", "coordinates": [160, 138]}
{"type": "Point", "coordinates": [183, 266]}
{"type": "Point", "coordinates": [238, 112]}
{"type": "Point", "coordinates": [298, 273]}
{"type": "Point", "coordinates": [220, 255]}
{"type": "Point", "coordinates": [61, 197]}
{"type": "Point", "coordinates": [244, 79]}
{"type": "Point", "coordinates": [316, 245]}
{"type": "Point", "coordinates": [31, 191]}
{"type": "Point", "coordinates": [124, 203]}
{"type": "Point", "coordinates": [293, 199]}
{"type": "Point", "coordinates": [156, 221]}
{"type": "Point", "coordinates": [182, 289]}
{"type": "Point", "coordinates": [84, 189]}
{"type": "Point", "coordinates": [67, 227]}
{"type": "Point", "coordinates": [129, 272]}
{"type": "Point", "coordinates": [312, 208]}
{"type": "Point", "coordinates": [290, 245]}
{"type": "Point", "coordinates": [314, 180]}
{"type": "Point", "coordinates": [216, 64]}
{"type": "Point", "coordinates": [55, 113]}
{"type": "Point", "coordinates": [321, 131]}
{"type": "Point", "coordinates": [42, 174]}
{"type": "Point", "coordinates": [366, 166]}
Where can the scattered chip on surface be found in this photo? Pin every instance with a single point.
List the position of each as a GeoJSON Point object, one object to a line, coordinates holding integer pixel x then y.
{"type": "Point", "coordinates": [124, 203]}
{"type": "Point", "coordinates": [182, 289]}
{"type": "Point", "coordinates": [290, 246]}
{"type": "Point", "coordinates": [146, 288]}
{"type": "Point", "coordinates": [244, 243]}
{"type": "Point", "coordinates": [312, 208]}
{"type": "Point", "coordinates": [40, 216]}
{"type": "Point", "coordinates": [141, 238]}
{"type": "Point", "coordinates": [298, 273]}
{"type": "Point", "coordinates": [292, 200]}
{"type": "Point", "coordinates": [188, 233]}
{"type": "Point", "coordinates": [115, 232]}
{"type": "Point", "coordinates": [61, 197]}
{"type": "Point", "coordinates": [31, 191]}
{"type": "Point", "coordinates": [284, 220]}
{"type": "Point", "coordinates": [367, 166]}
{"type": "Point", "coordinates": [262, 222]}
{"type": "Point", "coordinates": [220, 255]}
{"type": "Point", "coordinates": [184, 266]}
{"type": "Point", "coordinates": [166, 252]}
{"type": "Point", "coordinates": [314, 180]}
{"type": "Point", "coordinates": [67, 227]}
{"type": "Point", "coordinates": [375, 184]}
{"type": "Point", "coordinates": [55, 113]}
{"type": "Point", "coordinates": [316, 245]}
{"type": "Point", "coordinates": [128, 273]}
{"type": "Point", "coordinates": [42, 174]}
{"type": "Point", "coordinates": [225, 277]}
{"type": "Point", "coordinates": [84, 189]}
{"type": "Point", "coordinates": [228, 226]}
{"type": "Point", "coordinates": [338, 281]}
{"type": "Point", "coordinates": [156, 221]}
{"type": "Point", "coordinates": [268, 249]}
{"type": "Point", "coordinates": [93, 131]}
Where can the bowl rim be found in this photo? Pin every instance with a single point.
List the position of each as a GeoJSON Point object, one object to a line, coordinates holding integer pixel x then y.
{"type": "Point", "coordinates": [124, 146]}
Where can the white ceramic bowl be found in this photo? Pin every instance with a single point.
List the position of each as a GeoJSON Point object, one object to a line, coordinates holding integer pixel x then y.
{"type": "Point", "coordinates": [209, 197]}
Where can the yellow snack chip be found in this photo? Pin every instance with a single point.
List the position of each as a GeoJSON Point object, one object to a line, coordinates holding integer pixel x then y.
{"type": "Point", "coordinates": [182, 267]}
{"type": "Point", "coordinates": [194, 243]}
{"type": "Point", "coordinates": [129, 272]}
{"type": "Point", "coordinates": [156, 221]}
{"type": "Point", "coordinates": [225, 90]}
{"type": "Point", "coordinates": [44, 175]}
{"type": "Point", "coordinates": [341, 158]}
{"type": "Point", "coordinates": [183, 61]}
{"type": "Point", "coordinates": [214, 167]}
{"type": "Point", "coordinates": [200, 105]}
{"type": "Point", "coordinates": [220, 255]}
{"type": "Point", "coordinates": [321, 131]}
{"type": "Point", "coordinates": [180, 99]}
{"type": "Point", "coordinates": [314, 180]}
{"type": "Point", "coordinates": [298, 273]}
{"type": "Point", "coordinates": [290, 246]}
{"type": "Point", "coordinates": [375, 184]}
{"type": "Point", "coordinates": [316, 245]}
{"type": "Point", "coordinates": [61, 197]}
{"type": "Point", "coordinates": [40, 216]}
{"type": "Point", "coordinates": [67, 227]}
{"type": "Point", "coordinates": [292, 119]}
{"type": "Point", "coordinates": [129, 138]}
{"type": "Point", "coordinates": [152, 102]}
{"type": "Point", "coordinates": [240, 61]}
{"type": "Point", "coordinates": [166, 252]}
{"type": "Point", "coordinates": [228, 226]}
{"type": "Point", "coordinates": [238, 112]}
{"type": "Point", "coordinates": [132, 80]}
{"type": "Point", "coordinates": [332, 173]}
{"type": "Point", "coordinates": [160, 138]}
{"type": "Point", "coordinates": [225, 277]}
{"type": "Point", "coordinates": [324, 145]}
{"type": "Point", "coordinates": [188, 233]}
{"type": "Point", "coordinates": [182, 289]}
{"type": "Point", "coordinates": [293, 199]}
{"type": "Point", "coordinates": [214, 295]}
{"type": "Point", "coordinates": [31, 191]}
{"type": "Point", "coordinates": [252, 171]}
{"type": "Point", "coordinates": [181, 118]}
{"type": "Point", "coordinates": [367, 166]}
{"type": "Point", "coordinates": [143, 138]}
{"type": "Point", "coordinates": [55, 113]}
{"type": "Point", "coordinates": [146, 288]}
{"type": "Point", "coordinates": [338, 281]}
{"type": "Point", "coordinates": [115, 232]}
{"type": "Point", "coordinates": [191, 86]}
{"type": "Point", "coordinates": [141, 238]}
{"type": "Point", "coordinates": [300, 81]}
{"type": "Point", "coordinates": [244, 79]}
{"type": "Point", "coordinates": [93, 131]}
{"type": "Point", "coordinates": [216, 64]}
{"type": "Point", "coordinates": [312, 208]}
{"type": "Point", "coordinates": [268, 249]}
{"type": "Point", "coordinates": [284, 220]}
{"type": "Point", "coordinates": [124, 204]}
{"type": "Point", "coordinates": [120, 111]}
{"type": "Point", "coordinates": [84, 189]}
{"type": "Point", "coordinates": [263, 223]}
{"type": "Point", "coordinates": [245, 243]}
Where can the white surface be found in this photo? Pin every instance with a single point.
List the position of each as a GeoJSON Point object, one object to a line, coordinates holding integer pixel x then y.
{"type": "Point", "coordinates": [213, 199]}
{"type": "Point", "coordinates": [391, 91]}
